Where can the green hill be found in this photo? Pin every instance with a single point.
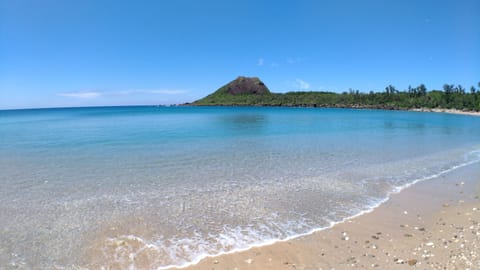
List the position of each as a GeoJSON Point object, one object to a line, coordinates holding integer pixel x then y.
{"type": "Point", "coordinates": [241, 91]}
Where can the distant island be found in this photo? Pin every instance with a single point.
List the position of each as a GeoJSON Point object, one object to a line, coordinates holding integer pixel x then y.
{"type": "Point", "coordinates": [251, 91]}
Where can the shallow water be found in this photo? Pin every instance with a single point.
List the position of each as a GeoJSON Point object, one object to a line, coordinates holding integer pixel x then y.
{"type": "Point", "coordinates": [150, 187]}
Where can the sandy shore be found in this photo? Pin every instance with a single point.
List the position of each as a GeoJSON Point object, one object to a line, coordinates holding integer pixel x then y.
{"type": "Point", "coordinates": [431, 225]}
{"type": "Point", "coordinates": [452, 111]}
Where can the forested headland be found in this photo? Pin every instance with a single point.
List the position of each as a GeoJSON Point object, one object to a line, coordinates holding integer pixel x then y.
{"type": "Point", "coordinates": [239, 93]}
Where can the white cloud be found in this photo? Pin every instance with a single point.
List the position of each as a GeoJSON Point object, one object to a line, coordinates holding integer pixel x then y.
{"type": "Point", "coordinates": [260, 62]}
{"type": "Point", "coordinates": [302, 84]}
{"type": "Point", "coordinates": [81, 94]}
{"type": "Point", "coordinates": [293, 60]}
{"type": "Point", "coordinates": [94, 94]}
{"type": "Point", "coordinates": [165, 91]}
{"type": "Point", "coordinates": [148, 91]}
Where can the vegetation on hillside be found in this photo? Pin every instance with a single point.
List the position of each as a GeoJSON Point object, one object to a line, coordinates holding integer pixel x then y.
{"type": "Point", "coordinates": [450, 97]}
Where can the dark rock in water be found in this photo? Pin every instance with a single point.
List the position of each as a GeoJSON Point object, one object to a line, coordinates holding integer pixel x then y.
{"type": "Point", "coordinates": [245, 85]}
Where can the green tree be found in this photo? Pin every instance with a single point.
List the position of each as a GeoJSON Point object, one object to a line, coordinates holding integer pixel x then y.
{"type": "Point", "coordinates": [411, 91]}
{"type": "Point", "coordinates": [422, 90]}
{"type": "Point", "coordinates": [390, 90]}
{"type": "Point", "coordinates": [448, 89]}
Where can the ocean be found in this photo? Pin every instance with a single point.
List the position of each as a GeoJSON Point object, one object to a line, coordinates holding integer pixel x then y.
{"type": "Point", "coordinates": [155, 187]}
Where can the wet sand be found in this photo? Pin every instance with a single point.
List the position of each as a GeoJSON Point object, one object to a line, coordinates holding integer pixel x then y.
{"type": "Point", "coordinates": [431, 225]}
{"type": "Point", "coordinates": [451, 111]}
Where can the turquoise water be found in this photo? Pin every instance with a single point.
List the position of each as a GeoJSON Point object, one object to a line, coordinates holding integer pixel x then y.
{"type": "Point", "coordinates": [152, 187]}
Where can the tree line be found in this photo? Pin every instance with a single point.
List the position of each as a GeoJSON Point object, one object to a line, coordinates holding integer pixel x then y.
{"type": "Point", "coordinates": [450, 97]}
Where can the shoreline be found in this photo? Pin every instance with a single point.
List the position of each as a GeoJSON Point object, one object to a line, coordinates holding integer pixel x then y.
{"type": "Point", "coordinates": [299, 249]}
{"type": "Point", "coordinates": [449, 111]}
{"type": "Point", "coordinates": [356, 107]}
{"type": "Point", "coordinates": [144, 262]}
{"type": "Point", "coordinates": [340, 106]}
{"type": "Point", "coordinates": [366, 211]}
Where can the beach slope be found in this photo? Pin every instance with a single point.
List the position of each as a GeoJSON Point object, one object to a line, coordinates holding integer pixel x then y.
{"type": "Point", "coordinates": [431, 225]}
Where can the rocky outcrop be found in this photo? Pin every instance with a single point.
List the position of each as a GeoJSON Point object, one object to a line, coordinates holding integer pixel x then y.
{"type": "Point", "coordinates": [245, 85]}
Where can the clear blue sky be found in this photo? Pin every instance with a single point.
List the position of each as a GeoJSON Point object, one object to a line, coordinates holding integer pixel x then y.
{"type": "Point", "coordinates": [97, 52]}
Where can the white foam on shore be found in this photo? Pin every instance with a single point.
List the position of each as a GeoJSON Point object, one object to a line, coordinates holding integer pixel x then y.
{"type": "Point", "coordinates": [240, 239]}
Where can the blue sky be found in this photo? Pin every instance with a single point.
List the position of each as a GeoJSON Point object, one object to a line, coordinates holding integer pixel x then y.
{"type": "Point", "coordinates": [98, 52]}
